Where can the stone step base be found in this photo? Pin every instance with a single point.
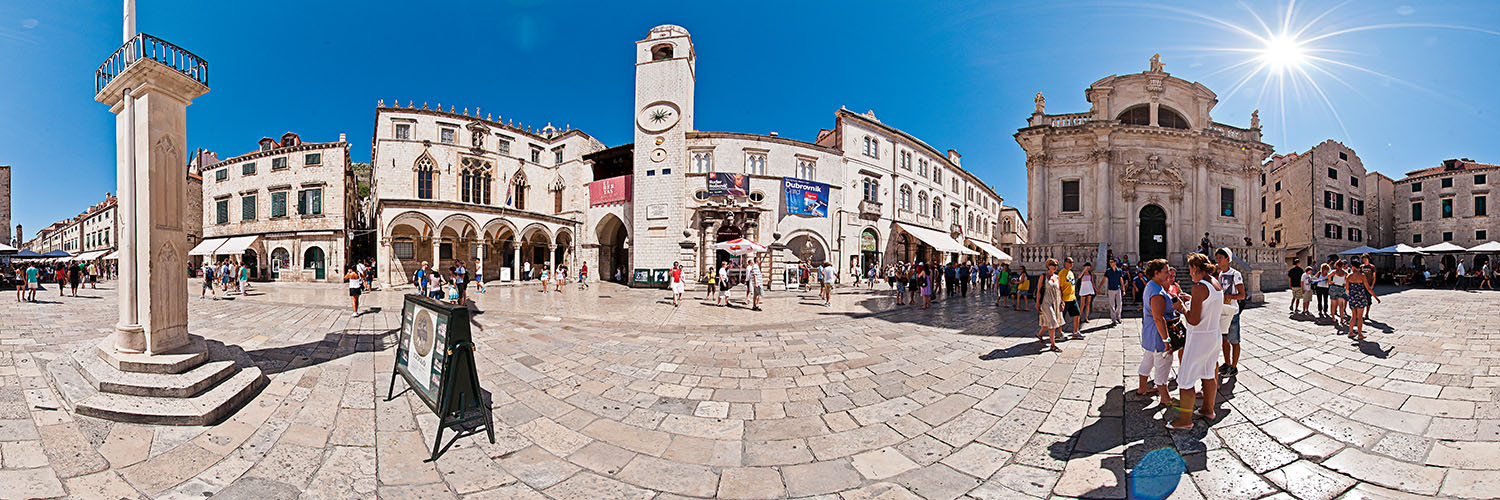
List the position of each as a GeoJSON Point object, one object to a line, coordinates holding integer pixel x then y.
{"type": "Point", "coordinates": [207, 408]}
{"type": "Point", "coordinates": [179, 360]}
{"type": "Point", "coordinates": [106, 378]}
{"type": "Point", "coordinates": [203, 392]}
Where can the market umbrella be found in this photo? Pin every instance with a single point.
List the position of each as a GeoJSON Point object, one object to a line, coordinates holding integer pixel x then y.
{"type": "Point", "coordinates": [57, 253]}
{"type": "Point", "coordinates": [1362, 249]}
{"type": "Point", "coordinates": [27, 254]}
{"type": "Point", "coordinates": [4, 249]}
{"type": "Point", "coordinates": [1493, 246]}
{"type": "Point", "coordinates": [738, 247]}
{"type": "Point", "coordinates": [1400, 248]}
{"type": "Point", "coordinates": [1444, 247]}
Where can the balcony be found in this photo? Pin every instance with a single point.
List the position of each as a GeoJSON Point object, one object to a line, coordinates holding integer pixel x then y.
{"type": "Point", "coordinates": [145, 46]}
{"type": "Point", "coordinates": [869, 208]}
{"type": "Point", "coordinates": [1067, 120]}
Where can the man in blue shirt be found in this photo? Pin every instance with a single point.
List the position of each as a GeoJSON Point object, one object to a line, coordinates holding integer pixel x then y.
{"type": "Point", "coordinates": [1115, 277]}
{"type": "Point", "coordinates": [33, 281]}
{"type": "Point", "coordinates": [984, 277]}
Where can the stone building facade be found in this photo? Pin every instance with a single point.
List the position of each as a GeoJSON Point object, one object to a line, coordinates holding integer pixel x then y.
{"type": "Point", "coordinates": [281, 210]}
{"type": "Point", "coordinates": [1145, 172]}
{"type": "Point", "coordinates": [1380, 210]}
{"type": "Point", "coordinates": [100, 226]}
{"type": "Point", "coordinates": [1451, 202]}
{"type": "Point", "coordinates": [1011, 229]}
{"type": "Point", "coordinates": [889, 196]}
{"type": "Point", "coordinates": [451, 185]}
{"type": "Point", "coordinates": [1313, 203]}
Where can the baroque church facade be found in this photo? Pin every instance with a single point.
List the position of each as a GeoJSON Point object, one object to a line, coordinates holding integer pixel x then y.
{"type": "Point", "coordinates": [1146, 170]}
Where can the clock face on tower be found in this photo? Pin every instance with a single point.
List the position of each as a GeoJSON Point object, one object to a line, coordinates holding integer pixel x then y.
{"type": "Point", "coordinates": [658, 116]}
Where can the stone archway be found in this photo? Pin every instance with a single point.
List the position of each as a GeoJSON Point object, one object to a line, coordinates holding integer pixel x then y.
{"type": "Point", "coordinates": [612, 235]}
{"type": "Point", "coordinates": [1153, 233]}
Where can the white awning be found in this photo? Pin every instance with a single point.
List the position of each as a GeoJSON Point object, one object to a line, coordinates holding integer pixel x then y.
{"type": "Point", "coordinates": [937, 240]}
{"type": "Point", "coordinates": [1362, 249]}
{"type": "Point", "coordinates": [88, 256]}
{"type": "Point", "coordinates": [4, 248]}
{"type": "Point", "coordinates": [236, 245]}
{"type": "Point", "coordinates": [1444, 247]}
{"type": "Point", "coordinates": [207, 247]}
{"type": "Point", "coordinates": [990, 249]}
{"type": "Point", "coordinates": [1493, 246]}
{"type": "Point", "coordinates": [112, 255]}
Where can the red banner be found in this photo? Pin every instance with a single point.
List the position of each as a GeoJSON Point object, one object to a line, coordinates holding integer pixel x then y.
{"type": "Point", "coordinates": [608, 191]}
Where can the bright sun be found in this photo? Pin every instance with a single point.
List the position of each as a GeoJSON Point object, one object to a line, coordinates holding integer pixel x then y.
{"type": "Point", "coordinates": [1283, 53]}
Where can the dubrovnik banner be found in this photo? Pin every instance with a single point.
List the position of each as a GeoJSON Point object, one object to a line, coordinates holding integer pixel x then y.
{"type": "Point", "coordinates": [609, 191]}
{"type": "Point", "coordinates": [805, 197]}
{"type": "Point", "coordinates": [727, 184]}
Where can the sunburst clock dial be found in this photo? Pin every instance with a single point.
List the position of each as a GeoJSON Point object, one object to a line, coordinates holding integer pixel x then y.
{"type": "Point", "coordinates": [658, 116]}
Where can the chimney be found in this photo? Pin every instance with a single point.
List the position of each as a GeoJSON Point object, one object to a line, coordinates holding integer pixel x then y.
{"type": "Point", "coordinates": [774, 134]}
{"type": "Point", "coordinates": [953, 156]}
{"type": "Point", "coordinates": [1450, 164]}
{"type": "Point", "coordinates": [343, 138]}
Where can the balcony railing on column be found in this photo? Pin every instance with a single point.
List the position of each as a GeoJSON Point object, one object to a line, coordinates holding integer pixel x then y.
{"type": "Point", "coordinates": [145, 46]}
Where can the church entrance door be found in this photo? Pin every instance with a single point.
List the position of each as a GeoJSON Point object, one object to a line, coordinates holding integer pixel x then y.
{"type": "Point", "coordinates": [1153, 226]}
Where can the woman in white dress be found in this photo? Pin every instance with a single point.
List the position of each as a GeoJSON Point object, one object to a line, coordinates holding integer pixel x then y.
{"type": "Point", "coordinates": [1049, 305]}
{"type": "Point", "coordinates": [1086, 290]}
{"type": "Point", "coordinates": [1200, 358]}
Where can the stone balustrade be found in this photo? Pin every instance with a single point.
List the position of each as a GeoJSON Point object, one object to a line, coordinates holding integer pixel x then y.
{"type": "Point", "coordinates": [1035, 255]}
{"type": "Point", "coordinates": [1067, 120]}
{"type": "Point", "coordinates": [1232, 132]}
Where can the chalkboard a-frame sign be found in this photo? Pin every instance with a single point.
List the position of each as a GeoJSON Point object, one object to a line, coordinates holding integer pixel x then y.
{"type": "Point", "coordinates": [435, 354]}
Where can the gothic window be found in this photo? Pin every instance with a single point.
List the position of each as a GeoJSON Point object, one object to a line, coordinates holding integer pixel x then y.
{"type": "Point", "coordinates": [466, 183]}
{"type": "Point", "coordinates": [970, 223]}
{"type": "Point", "coordinates": [425, 177]}
{"type": "Point", "coordinates": [922, 203]}
{"type": "Point", "coordinates": [557, 201]}
{"type": "Point", "coordinates": [905, 158]}
{"type": "Point", "coordinates": [906, 198]}
{"type": "Point", "coordinates": [806, 169]}
{"type": "Point", "coordinates": [872, 148]}
{"type": "Point", "coordinates": [485, 182]}
{"type": "Point", "coordinates": [517, 194]}
{"type": "Point", "coordinates": [954, 212]}
{"type": "Point", "coordinates": [922, 168]}
{"type": "Point", "coordinates": [937, 208]}
{"type": "Point", "coordinates": [755, 163]}
{"type": "Point", "coordinates": [872, 190]}
{"type": "Point", "coordinates": [937, 175]}
{"type": "Point", "coordinates": [703, 161]}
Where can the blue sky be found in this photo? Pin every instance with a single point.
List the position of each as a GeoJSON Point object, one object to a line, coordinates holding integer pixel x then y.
{"type": "Point", "coordinates": [957, 74]}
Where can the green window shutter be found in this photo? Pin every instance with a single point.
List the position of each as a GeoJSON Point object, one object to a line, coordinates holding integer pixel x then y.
{"type": "Point", "coordinates": [302, 203]}
{"type": "Point", "coordinates": [278, 204]}
{"type": "Point", "coordinates": [317, 201]}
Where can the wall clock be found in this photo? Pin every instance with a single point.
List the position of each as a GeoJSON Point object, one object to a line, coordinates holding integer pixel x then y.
{"type": "Point", "coordinates": [658, 116]}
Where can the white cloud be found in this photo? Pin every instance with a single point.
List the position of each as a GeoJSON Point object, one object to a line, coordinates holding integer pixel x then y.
{"type": "Point", "coordinates": [29, 23]}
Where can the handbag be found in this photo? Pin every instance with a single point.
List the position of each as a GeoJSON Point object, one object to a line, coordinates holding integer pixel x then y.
{"type": "Point", "coordinates": [1176, 332]}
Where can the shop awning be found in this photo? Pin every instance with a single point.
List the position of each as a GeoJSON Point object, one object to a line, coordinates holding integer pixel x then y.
{"type": "Point", "coordinates": [236, 245]}
{"type": "Point", "coordinates": [88, 256]}
{"type": "Point", "coordinates": [1444, 247]}
{"type": "Point", "coordinates": [112, 255]}
{"type": "Point", "coordinates": [936, 240]}
{"type": "Point", "coordinates": [1362, 249]}
{"type": "Point", "coordinates": [207, 247]}
{"type": "Point", "coordinates": [990, 249]}
{"type": "Point", "coordinates": [1493, 246]}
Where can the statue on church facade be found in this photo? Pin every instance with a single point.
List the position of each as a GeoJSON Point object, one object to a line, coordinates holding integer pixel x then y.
{"type": "Point", "coordinates": [1156, 63]}
{"type": "Point", "coordinates": [1041, 103]}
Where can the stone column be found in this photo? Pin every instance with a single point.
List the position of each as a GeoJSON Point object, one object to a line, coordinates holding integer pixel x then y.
{"type": "Point", "coordinates": [1253, 292]}
{"type": "Point", "coordinates": [384, 263]}
{"type": "Point", "coordinates": [551, 257]}
{"type": "Point", "coordinates": [437, 253]}
{"type": "Point", "coordinates": [150, 101]}
{"type": "Point", "coordinates": [515, 263]}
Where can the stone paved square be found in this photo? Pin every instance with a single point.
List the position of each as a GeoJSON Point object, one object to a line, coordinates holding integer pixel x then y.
{"type": "Point", "coordinates": [785, 403]}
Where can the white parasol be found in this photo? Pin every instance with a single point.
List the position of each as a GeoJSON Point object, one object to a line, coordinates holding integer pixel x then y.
{"type": "Point", "coordinates": [738, 247]}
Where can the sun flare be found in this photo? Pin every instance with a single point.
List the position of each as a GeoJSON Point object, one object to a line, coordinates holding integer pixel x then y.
{"type": "Point", "coordinates": [1283, 53]}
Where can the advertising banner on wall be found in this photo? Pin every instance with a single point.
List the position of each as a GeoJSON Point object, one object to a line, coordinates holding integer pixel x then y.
{"type": "Point", "coordinates": [805, 197]}
{"type": "Point", "coordinates": [608, 191]}
{"type": "Point", "coordinates": [727, 184]}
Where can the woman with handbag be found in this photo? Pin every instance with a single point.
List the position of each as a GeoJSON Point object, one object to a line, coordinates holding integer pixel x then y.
{"type": "Point", "coordinates": [1200, 358]}
{"type": "Point", "coordinates": [1161, 331]}
{"type": "Point", "coordinates": [1049, 305]}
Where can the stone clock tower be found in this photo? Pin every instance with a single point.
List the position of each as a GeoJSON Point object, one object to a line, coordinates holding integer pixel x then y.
{"type": "Point", "coordinates": [664, 79]}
